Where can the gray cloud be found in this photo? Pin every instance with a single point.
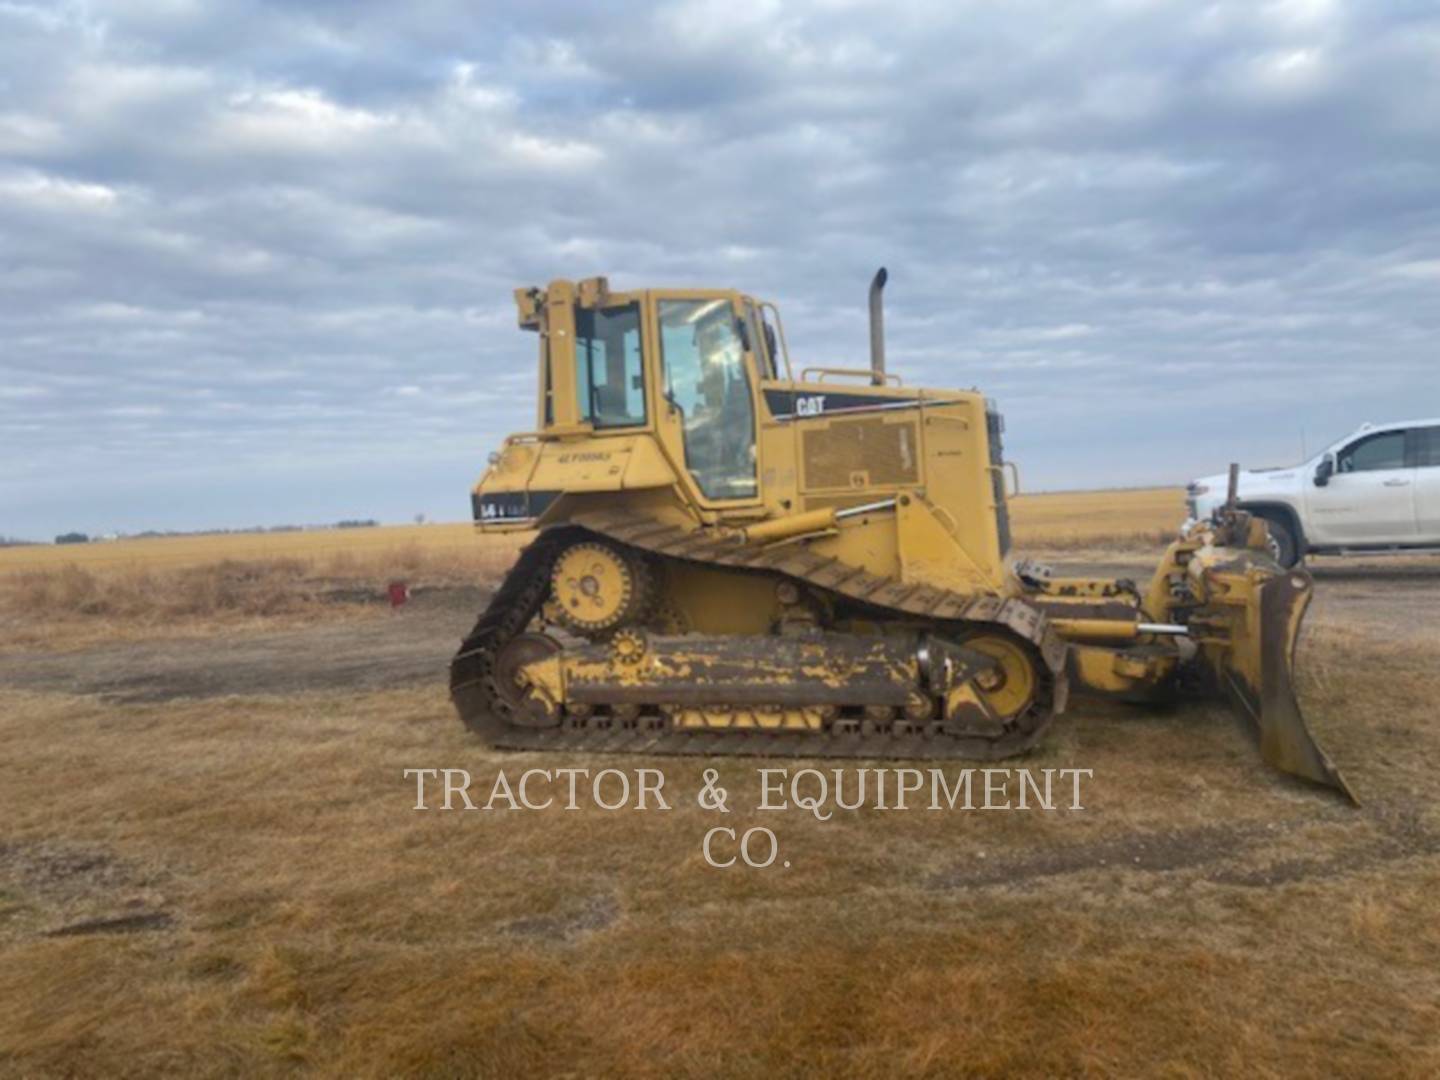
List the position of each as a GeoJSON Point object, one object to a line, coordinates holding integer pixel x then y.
{"type": "Point", "coordinates": [256, 259]}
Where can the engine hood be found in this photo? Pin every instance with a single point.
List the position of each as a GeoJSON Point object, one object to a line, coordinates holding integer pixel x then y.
{"type": "Point", "coordinates": [1253, 482]}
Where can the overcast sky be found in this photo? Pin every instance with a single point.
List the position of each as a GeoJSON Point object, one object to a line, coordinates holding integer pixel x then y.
{"type": "Point", "coordinates": [256, 260]}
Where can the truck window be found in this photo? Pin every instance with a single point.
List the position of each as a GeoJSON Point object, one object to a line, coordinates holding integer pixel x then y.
{"type": "Point", "coordinates": [1383, 451]}
{"type": "Point", "coordinates": [609, 373]}
{"type": "Point", "coordinates": [1425, 447]}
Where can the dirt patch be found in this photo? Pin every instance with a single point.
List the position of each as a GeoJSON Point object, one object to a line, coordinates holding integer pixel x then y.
{"type": "Point", "coordinates": [412, 645]}
{"type": "Point", "coordinates": [123, 924]}
{"type": "Point", "coordinates": [56, 890]}
{"type": "Point", "coordinates": [1397, 832]}
{"type": "Point", "coordinates": [1153, 852]}
{"type": "Point", "coordinates": [1250, 854]}
{"type": "Point", "coordinates": [596, 913]}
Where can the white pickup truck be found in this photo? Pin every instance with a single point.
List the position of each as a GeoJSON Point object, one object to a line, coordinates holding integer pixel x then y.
{"type": "Point", "coordinates": [1376, 490]}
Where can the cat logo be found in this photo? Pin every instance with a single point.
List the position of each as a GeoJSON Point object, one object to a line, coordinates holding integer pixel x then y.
{"type": "Point", "coordinates": [810, 406]}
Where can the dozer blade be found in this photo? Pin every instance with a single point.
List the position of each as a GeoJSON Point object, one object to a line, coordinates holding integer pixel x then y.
{"type": "Point", "coordinates": [1258, 665]}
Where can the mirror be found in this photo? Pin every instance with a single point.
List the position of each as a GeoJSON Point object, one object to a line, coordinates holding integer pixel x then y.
{"type": "Point", "coordinates": [1325, 470]}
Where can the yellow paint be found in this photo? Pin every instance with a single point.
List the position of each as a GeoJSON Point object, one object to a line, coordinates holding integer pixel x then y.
{"type": "Point", "coordinates": [749, 719]}
{"type": "Point", "coordinates": [1009, 687]}
{"type": "Point", "coordinates": [826, 442]}
{"type": "Point", "coordinates": [592, 586]}
{"type": "Point", "coordinates": [1110, 671]}
{"type": "Point", "coordinates": [716, 601]}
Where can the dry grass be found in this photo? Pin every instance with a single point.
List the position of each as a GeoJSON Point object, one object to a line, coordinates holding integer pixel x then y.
{"type": "Point", "coordinates": [311, 546]}
{"type": "Point", "coordinates": [318, 922]}
{"type": "Point", "coordinates": [1119, 518]}
{"type": "Point", "coordinates": [274, 587]}
{"type": "Point", "coordinates": [291, 912]}
{"type": "Point", "coordinates": [77, 595]}
{"type": "Point", "coordinates": [1139, 519]}
{"type": "Point", "coordinates": [68, 604]}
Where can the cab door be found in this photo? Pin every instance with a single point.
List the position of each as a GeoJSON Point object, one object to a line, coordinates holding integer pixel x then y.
{"type": "Point", "coordinates": [1370, 498]}
{"type": "Point", "coordinates": [1425, 454]}
{"type": "Point", "coordinates": [707, 395]}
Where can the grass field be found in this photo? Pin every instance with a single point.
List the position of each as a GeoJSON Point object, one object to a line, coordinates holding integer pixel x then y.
{"type": "Point", "coordinates": [235, 883]}
{"type": "Point", "coordinates": [1124, 519]}
{"type": "Point", "coordinates": [82, 594]}
{"type": "Point", "coordinates": [1136, 519]}
{"type": "Point", "coordinates": [210, 863]}
{"type": "Point", "coordinates": [316, 545]}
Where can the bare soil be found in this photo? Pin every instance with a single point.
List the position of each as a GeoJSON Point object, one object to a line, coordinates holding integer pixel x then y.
{"type": "Point", "coordinates": [412, 644]}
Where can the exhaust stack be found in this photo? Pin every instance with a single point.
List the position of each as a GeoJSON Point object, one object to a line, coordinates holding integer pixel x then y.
{"type": "Point", "coordinates": [877, 328]}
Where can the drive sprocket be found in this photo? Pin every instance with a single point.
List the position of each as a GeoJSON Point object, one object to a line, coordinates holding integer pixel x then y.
{"type": "Point", "coordinates": [596, 588]}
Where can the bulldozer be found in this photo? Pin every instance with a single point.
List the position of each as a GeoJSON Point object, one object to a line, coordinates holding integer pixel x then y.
{"type": "Point", "coordinates": [730, 558]}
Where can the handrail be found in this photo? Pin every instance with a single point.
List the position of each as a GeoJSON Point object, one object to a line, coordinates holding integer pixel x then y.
{"type": "Point", "coordinates": [891, 378]}
{"type": "Point", "coordinates": [554, 431]}
{"type": "Point", "coordinates": [780, 332]}
{"type": "Point", "coordinates": [1014, 472]}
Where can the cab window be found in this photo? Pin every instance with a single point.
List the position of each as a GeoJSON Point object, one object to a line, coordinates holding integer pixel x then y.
{"type": "Point", "coordinates": [609, 368]}
{"type": "Point", "coordinates": [1383, 451]}
{"type": "Point", "coordinates": [707, 384]}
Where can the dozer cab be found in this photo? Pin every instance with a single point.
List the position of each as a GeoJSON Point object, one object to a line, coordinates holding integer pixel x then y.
{"type": "Point", "coordinates": [735, 559]}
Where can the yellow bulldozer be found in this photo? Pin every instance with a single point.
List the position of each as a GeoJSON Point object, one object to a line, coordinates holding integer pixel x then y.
{"type": "Point", "coordinates": [735, 559]}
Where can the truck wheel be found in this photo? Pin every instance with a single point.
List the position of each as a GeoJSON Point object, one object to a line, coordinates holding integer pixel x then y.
{"type": "Point", "coordinates": [1282, 543]}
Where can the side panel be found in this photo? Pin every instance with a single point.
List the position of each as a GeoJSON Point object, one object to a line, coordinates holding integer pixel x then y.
{"type": "Point", "coordinates": [960, 482]}
{"type": "Point", "coordinates": [529, 477]}
{"type": "Point", "coordinates": [1373, 507]}
{"type": "Point", "coordinates": [853, 446]}
{"type": "Point", "coordinates": [1426, 455]}
{"type": "Point", "coordinates": [1427, 504]}
{"type": "Point", "coordinates": [1370, 499]}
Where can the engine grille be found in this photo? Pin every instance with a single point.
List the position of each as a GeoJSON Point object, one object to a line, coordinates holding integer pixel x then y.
{"type": "Point", "coordinates": [870, 452]}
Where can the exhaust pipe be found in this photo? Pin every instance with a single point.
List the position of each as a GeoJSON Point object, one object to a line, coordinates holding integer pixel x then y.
{"type": "Point", "coordinates": [877, 328]}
